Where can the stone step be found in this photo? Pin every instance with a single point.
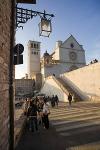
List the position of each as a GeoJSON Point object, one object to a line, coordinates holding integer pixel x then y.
{"type": "Point", "coordinates": [90, 146]}
{"type": "Point", "coordinates": [72, 116]}
{"type": "Point", "coordinates": [78, 121]}
{"type": "Point", "coordinates": [80, 131]}
{"type": "Point", "coordinates": [77, 126]}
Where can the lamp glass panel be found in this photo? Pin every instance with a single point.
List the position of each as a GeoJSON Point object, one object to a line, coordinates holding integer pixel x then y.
{"type": "Point", "coordinates": [45, 27]}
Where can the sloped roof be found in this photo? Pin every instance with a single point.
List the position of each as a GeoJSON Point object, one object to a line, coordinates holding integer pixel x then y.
{"type": "Point", "coordinates": [71, 36]}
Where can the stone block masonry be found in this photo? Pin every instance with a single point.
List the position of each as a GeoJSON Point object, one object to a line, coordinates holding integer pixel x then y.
{"type": "Point", "coordinates": [5, 23]}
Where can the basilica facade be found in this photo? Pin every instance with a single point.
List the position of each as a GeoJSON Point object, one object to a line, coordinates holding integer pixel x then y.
{"type": "Point", "coordinates": [67, 56]}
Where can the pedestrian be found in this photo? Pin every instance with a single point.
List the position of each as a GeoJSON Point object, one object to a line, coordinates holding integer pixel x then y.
{"type": "Point", "coordinates": [46, 112]}
{"type": "Point", "coordinates": [53, 101]}
{"type": "Point", "coordinates": [56, 100]}
{"type": "Point", "coordinates": [26, 106]}
{"type": "Point", "coordinates": [70, 99]}
{"type": "Point", "coordinates": [40, 114]}
{"type": "Point", "coordinates": [32, 114]}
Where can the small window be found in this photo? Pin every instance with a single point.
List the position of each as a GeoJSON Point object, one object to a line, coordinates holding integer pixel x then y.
{"type": "Point", "coordinates": [31, 45]}
{"type": "Point", "coordinates": [34, 45]}
{"type": "Point", "coordinates": [37, 46]}
{"type": "Point", "coordinates": [71, 45]}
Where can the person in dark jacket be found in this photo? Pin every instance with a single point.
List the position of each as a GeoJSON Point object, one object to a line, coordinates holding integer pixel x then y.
{"type": "Point", "coordinates": [70, 99]}
{"type": "Point", "coordinates": [32, 114]}
{"type": "Point", "coordinates": [56, 100]}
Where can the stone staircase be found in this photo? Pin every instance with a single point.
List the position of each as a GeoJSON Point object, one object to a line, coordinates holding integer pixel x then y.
{"type": "Point", "coordinates": [67, 88]}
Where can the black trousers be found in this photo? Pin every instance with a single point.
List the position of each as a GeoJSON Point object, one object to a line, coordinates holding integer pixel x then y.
{"type": "Point", "coordinates": [33, 123]}
{"type": "Point", "coordinates": [46, 121]}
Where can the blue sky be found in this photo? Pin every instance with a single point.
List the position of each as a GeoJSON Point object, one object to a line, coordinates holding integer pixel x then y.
{"type": "Point", "coordinates": [81, 18]}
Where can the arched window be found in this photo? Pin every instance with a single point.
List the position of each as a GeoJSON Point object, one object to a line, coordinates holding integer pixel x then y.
{"type": "Point", "coordinates": [37, 46]}
{"type": "Point", "coordinates": [72, 45]}
{"type": "Point", "coordinates": [31, 45]}
{"type": "Point", "coordinates": [34, 45]}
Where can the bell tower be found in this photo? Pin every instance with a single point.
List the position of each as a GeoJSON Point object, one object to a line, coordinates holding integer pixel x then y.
{"type": "Point", "coordinates": [33, 58]}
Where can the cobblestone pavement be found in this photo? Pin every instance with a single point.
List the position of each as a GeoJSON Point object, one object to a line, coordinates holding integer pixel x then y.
{"type": "Point", "coordinates": [71, 128]}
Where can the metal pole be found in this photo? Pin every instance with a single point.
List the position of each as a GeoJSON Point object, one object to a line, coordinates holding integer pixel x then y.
{"type": "Point", "coordinates": [11, 66]}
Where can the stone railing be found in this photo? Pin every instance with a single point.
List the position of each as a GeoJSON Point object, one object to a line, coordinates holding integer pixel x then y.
{"type": "Point", "coordinates": [79, 93]}
{"type": "Point", "coordinates": [60, 84]}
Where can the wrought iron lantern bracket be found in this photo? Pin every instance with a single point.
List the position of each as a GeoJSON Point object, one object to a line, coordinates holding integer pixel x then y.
{"type": "Point", "coordinates": [23, 15]}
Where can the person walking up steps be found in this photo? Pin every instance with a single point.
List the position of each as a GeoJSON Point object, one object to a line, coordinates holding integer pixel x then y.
{"type": "Point", "coordinates": [56, 100]}
{"type": "Point", "coordinates": [70, 99]}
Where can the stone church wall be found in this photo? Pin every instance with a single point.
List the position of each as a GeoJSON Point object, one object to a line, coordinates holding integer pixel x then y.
{"type": "Point", "coordinates": [64, 56]}
{"type": "Point", "coordinates": [58, 69]}
{"type": "Point", "coordinates": [5, 21]}
{"type": "Point", "coordinates": [87, 79]}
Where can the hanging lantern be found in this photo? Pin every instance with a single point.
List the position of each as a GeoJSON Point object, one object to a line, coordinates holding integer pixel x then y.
{"type": "Point", "coordinates": [45, 27]}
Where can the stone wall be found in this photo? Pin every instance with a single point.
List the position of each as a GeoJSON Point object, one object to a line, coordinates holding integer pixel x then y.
{"type": "Point", "coordinates": [84, 81]}
{"type": "Point", "coordinates": [52, 88]}
{"type": "Point", "coordinates": [87, 79]}
{"type": "Point", "coordinates": [5, 21]}
{"type": "Point", "coordinates": [24, 88]}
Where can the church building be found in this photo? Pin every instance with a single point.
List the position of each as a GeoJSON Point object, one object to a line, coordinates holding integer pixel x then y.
{"type": "Point", "coordinates": [67, 56]}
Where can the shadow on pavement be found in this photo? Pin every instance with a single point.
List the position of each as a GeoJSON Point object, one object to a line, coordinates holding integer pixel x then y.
{"type": "Point", "coordinates": [41, 140]}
